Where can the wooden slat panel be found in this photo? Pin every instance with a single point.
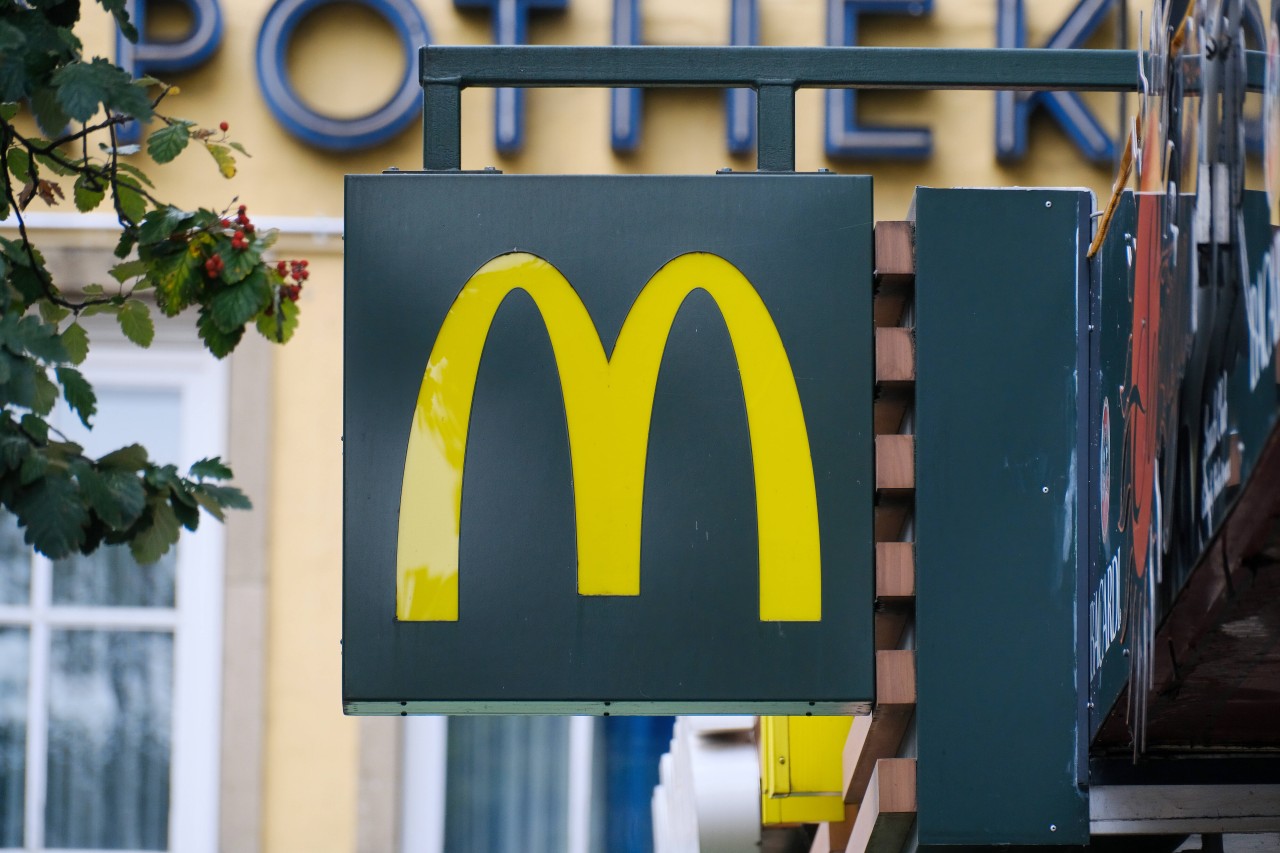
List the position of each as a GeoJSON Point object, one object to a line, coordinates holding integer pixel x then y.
{"type": "Point", "coordinates": [895, 252]}
{"type": "Point", "coordinates": [895, 463]}
{"type": "Point", "coordinates": [887, 812]}
{"type": "Point", "coordinates": [895, 355]}
{"type": "Point", "coordinates": [878, 737]}
{"type": "Point", "coordinates": [891, 404]}
{"type": "Point", "coordinates": [895, 572]}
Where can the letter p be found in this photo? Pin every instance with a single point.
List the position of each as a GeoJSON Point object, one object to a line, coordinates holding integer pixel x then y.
{"type": "Point", "coordinates": [184, 54]}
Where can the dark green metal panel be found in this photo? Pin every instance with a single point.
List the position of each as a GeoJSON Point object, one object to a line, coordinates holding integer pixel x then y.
{"type": "Point", "coordinates": [1001, 288]}
{"type": "Point", "coordinates": [525, 641]}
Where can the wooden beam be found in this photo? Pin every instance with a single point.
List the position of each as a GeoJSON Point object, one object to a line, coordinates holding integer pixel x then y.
{"type": "Point", "coordinates": [895, 247]}
{"type": "Point", "coordinates": [888, 810]}
{"type": "Point", "coordinates": [895, 355]}
{"type": "Point", "coordinates": [895, 572]}
{"type": "Point", "coordinates": [895, 271]}
{"type": "Point", "coordinates": [895, 463]}
{"type": "Point", "coordinates": [872, 739]}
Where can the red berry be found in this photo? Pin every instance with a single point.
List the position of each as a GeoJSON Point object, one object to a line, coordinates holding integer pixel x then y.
{"type": "Point", "coordinates": [223, 126]}
{"type": "Point", "coordinates": [226, 223]}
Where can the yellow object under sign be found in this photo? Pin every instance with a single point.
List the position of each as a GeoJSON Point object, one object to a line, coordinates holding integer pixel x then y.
{"type": "Point", "coordinates": [802, 776]}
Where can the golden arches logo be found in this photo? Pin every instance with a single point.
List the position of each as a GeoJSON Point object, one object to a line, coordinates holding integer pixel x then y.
{"type": "Point", "coordinates": [608, 403]}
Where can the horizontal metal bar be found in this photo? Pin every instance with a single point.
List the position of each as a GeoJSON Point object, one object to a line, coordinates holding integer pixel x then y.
{"type": "Point", "coordinates": [1028, 69]}
{"type": "Point", "coordinates": [801, 67]}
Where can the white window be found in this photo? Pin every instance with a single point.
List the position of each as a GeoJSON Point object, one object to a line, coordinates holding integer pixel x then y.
{"type": "Point", "coordinates": [501, 784]}
{"type": "Point", "coordinates": [110, 671]}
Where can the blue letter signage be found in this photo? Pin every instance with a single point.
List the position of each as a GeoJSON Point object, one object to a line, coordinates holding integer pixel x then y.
{"type": "Point", "coordinates": [510, 26]}
{"type": "Point", "coordinates": [144, 57]}
{"type": "Point", "coordinates": [323, 131]}
{"type": "Point", "coordinates": [845, 137]}
{"type": "Point", "coordinates": [740, 104]}
{"type": "Point", "coordinates": [1014, 109]}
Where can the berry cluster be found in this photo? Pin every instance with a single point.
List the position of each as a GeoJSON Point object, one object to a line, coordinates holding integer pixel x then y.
{"type": "Point", "coordinates": [245, 228]}
{"type": "Point", "coordinates": [213, 265]}
{"type": "Point", "coordinates": [298, 271]}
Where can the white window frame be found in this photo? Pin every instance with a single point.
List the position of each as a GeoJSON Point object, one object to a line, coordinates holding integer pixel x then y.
{"type": "Point", "coordinates": [425, 784]}
{"type": "Point", "coordinates": [196, 618]}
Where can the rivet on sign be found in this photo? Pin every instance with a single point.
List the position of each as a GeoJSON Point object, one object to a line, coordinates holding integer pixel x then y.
{"type": "Point", "coordinates": [1048, 204]}
{"type": "Point", "coordinates": [1053, 827]}
{"type": "Point", "coordinates": [1044, 489]}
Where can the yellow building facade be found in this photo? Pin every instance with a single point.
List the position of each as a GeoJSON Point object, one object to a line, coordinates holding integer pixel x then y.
{"type": "Point", "coordinates": [292, 773]}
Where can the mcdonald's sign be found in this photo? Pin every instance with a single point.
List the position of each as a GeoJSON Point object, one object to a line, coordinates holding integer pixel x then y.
{"type": "Point", "coordinates": [607, 444]}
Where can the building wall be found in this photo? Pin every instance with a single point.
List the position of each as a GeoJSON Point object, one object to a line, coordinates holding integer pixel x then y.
{"type": "Point", "coordinates": [296, 774]}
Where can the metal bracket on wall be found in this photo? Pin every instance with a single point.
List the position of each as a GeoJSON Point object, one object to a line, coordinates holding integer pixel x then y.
{"type": "Point", "coordinates": [774, 72]}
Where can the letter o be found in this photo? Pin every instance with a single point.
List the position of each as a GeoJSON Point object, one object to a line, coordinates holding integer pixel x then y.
{"type": "Point", "coordinates": [323, 131]}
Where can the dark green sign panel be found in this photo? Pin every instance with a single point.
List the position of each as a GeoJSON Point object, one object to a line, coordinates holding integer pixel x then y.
{"type": "Point", "coordinates": [1001, 291]}
{"type": "Point", "coordinates": [608, 444]}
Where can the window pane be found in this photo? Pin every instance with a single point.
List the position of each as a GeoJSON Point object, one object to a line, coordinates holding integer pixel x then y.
{"type": "Point", "coordinates": [111, 577]}
{"type": "Point", "coordinates": [110, 696]}
{"type": "Point", "coordinates": [13, 733]}
{"type": "Point", "coordinates": [508, 782]}
{"type": "Point", "coordinates": [15, 562]}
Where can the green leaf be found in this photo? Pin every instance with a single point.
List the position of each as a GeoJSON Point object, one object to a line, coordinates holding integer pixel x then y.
{"type": "Point", "coordinates": [228, 497]}
{"type": "Point", "coordinates": [27, 282]}
{"type": "Point", "coordinates": [217, 341]}
{"type": "Point", "coordinates": [237, 146]}
{"type": "Point", "coordinates": [89, 193]}
{"type": "Point", "coordinates": [155, 538]}
{"type": "Point", "coordinates": [241, 262]}
{"type": "Point", "coordinates": [33, 468]}
{"type": "Point", "coordinates": [130, 269]}
{"type": "Point", "coordinates": [185, 507]}
{"type": "Point", "coordinates": [46, 395]}
{"type": "Point", "coordinates": [131, 458]}
{"type": "Point", "coordinates": [133, 170]}
{"type": "Point", "coordinates": [19, 164]}
{"type": "Point", "coordinates": [75, 340]}
{"type": "Point", "coordinates": [135, 322]}
{"type": "Point", "coordinates": [38, 338]}
{"type": "Point", "coordinates": [210, 505]}
{"type": "Point", "coordinates": [84, 86]}
{"type": "Point", "coordinates": [53, 514]}
{"type": "Point", "coordinates": [52, 312]}
{"type": "Point", "coordinates": [53, 165]}
{"type": "Point", "coordinates": [117, 496]}
{"type": "Point", "coordinates": [280, 325]}
{"type": "Point", "coordinates": [128, 239]}
{"type": "Point", "coordinates": [169, 141]}
{"type": "Point", "coordinates": [8, 111]}
{"type": "Point", "coordinates": [222, 156]}
{"type": "Point", "coordinates": [268, 237]}
{"type": "Point", "coordinates": [131, 201]}
{"type": "Point", "coordinates": [14, 448]}
{"type": "Point", "coordinates": [236, 305]}
{"type": "Point", "coordinates": [120, 11]}
{"type": "Point", "coordinates": [211, 468]}
{"type": "Point", "coordinates": [177, 279]}
{"type": "Point", "coordinates": [93, 290]}
{"type": "Point", "coordinates": [78, 393]}
{"type": "Point", "coordinates": [50, 115]}
{"type": "Point", "coordinates": [159, 224]}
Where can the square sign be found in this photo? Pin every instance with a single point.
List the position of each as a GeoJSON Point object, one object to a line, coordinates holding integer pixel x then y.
{"type": "Point", "coordinates": [608, 445]}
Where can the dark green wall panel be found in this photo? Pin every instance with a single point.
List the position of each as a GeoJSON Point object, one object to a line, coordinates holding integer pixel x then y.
{"type": "Point", "coordinates": [1000, 290]}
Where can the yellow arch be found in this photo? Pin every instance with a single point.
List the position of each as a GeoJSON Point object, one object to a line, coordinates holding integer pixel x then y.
{"type": "Point", "coordinates": [608, 404]}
